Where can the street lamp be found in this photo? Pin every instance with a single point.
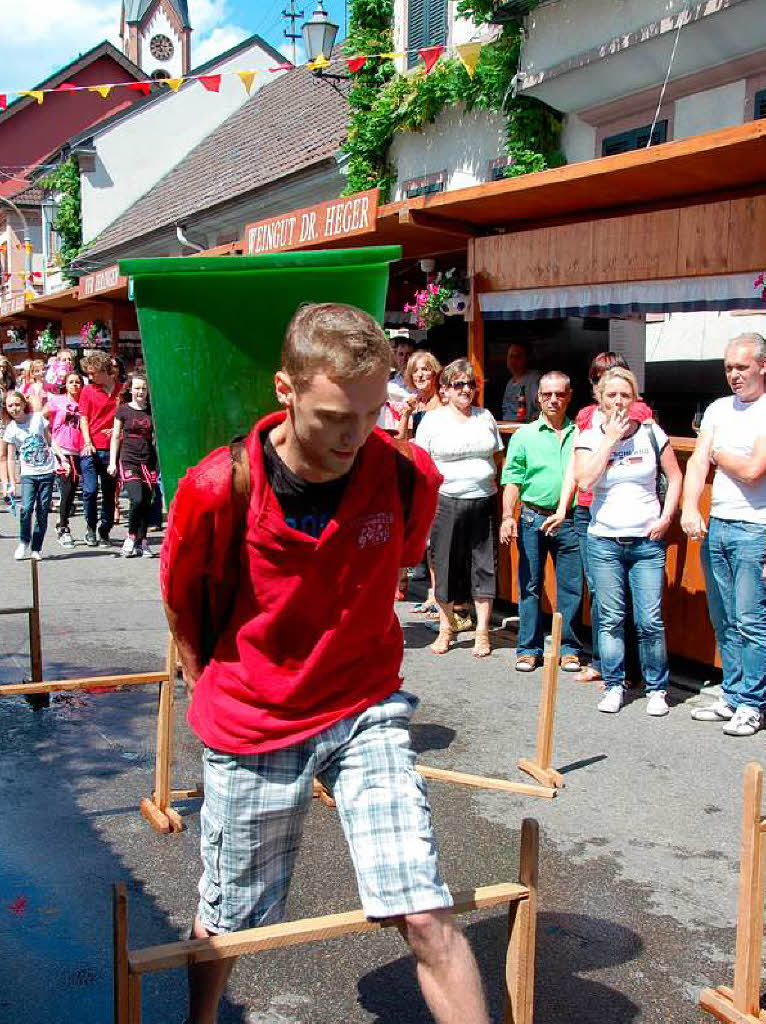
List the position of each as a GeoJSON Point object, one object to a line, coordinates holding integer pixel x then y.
{"type": "Point", "coordinates": [319, 36]}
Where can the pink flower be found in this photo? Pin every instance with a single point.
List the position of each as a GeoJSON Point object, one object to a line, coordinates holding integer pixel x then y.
{"type": "Point", "coordinates": [434, 289]}
{"type": "Point", "coordinates": [759, 281]}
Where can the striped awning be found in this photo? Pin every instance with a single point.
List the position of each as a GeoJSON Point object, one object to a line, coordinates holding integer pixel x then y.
{"type": "Point", "coordinates": [677, 295]}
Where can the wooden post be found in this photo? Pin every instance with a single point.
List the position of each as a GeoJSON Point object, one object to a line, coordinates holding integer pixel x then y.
{"type": "Point", "coordinates": [120, 941]}
{"type": "Point", "coordinates": [134, 990]}
{"type": "Point", "coordinates": [540, 767]}
{"type": "Point", "coordinates": [157, 810]}
{"type": "Point", "coordinates": [522, 933]}
{"type": "Point", "coordinates": [35, 638]}
{"type": "Point", "coordinates": [747, 964]}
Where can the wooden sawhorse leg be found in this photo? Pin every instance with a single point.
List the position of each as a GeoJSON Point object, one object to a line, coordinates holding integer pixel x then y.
{"type": "Point", "coordinates": [157, 810]}
{"type": "Point", "coordinates": [540, 767]}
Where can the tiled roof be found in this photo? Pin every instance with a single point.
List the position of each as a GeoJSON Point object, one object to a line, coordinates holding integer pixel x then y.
{"type": "Point", "coordinates": [292, 124]}
{"type": "Point", "coordinates": [32, 196]}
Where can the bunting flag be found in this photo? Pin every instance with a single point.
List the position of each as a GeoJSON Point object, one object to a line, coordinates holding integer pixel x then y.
{"type": "Point", "coordinates": [393, 56]}
{"type": "Point", "coordinates": [246, 77]}
{"type": "Point", "coordinates": [355, 64]}
{"type": "Point", "coordinates": [211, 82]}
{"type": "Point", "coordinates": [319, 64]}
{"type": "Point", "coordinates": [172, 83]}
{"type": "Point", "coordinates": [3, 101]}
{"type": "Point", "coordinates": [36, 94]}
{"type": "Point", "coordinates": [469, 54]}
{"type": "Point", "coordinates": [102, 90]}
{"type": "Point", "coordinates": [430, 55]}
{"type": "Point", "coordinates": [65, 87]}
{"type": "Point", "coordinates": [143, 87]}
{"type": "Point", "coordinates": [281, 67]}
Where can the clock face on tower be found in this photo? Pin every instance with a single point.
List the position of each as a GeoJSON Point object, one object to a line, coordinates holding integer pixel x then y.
{"type": "Point", "coordinates": [161, 48]}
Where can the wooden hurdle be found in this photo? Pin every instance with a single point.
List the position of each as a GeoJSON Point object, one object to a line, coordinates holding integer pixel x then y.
{"type": "Point", "coordinates": [521, 898]}
{"type": "Point", "coordinates": [33, 617]}
{"type": "Point", "coordinates": [742, 1003]}
{"type": "Point", "coordinates": [539, 767]}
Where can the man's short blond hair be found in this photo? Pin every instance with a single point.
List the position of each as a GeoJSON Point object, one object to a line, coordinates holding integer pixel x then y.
{"type": "Point", "coordinates": [341, 341]}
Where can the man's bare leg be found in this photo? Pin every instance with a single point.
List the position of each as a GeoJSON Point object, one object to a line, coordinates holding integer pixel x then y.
{"type": "Point", "coordinates": [447, 971]}
{"type": "Point", "coordinates": [206, 983]}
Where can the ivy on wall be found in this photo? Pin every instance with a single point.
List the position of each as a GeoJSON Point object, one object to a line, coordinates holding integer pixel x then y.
{"type": "Point", "coordinates": [64, 182]}
{"type": "Point", "coordinates": [384, 103]}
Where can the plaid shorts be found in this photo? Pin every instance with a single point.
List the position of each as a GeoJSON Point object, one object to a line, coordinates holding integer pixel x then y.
{"type": "Point", "coordinates": [255, 805]}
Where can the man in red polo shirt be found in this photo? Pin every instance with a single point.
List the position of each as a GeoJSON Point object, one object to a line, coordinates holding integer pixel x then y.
{"type": "Point", "coordinates": [98, 404]}
{"type": "Point", "coordinates": [303, 680]}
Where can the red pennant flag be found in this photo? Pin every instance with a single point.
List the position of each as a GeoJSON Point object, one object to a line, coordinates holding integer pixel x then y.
{"type": "Point", "coordinates": [143, 87]}
{"type": "Point", "coordinates": [3, 101]}
{"type": "Point", "coordinates": [211, 82]}
{"type": "Point", "coordinates": [65, 87]}
{"type": "Point", "coordinates": [36, 273]}
{"type": "Point", "coordinates": [281, 67]}
{"type": "Point", "coordinates": [355, 64]}
{"type": "Point", "coordinates": [430, 56]}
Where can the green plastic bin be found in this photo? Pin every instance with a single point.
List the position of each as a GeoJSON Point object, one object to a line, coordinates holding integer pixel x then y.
{"type": "Point", "coordinates": [212, 329]}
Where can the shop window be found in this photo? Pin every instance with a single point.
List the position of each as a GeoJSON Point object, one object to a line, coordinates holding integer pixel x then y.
{"type": "Point", "coordinates": [636, 138]}
{"type": "Point", "coordinates": [427, 186]}
{"type": "Point", "coordinates": [498, 168]}
{"type": "Point", "coordinates": [426, 26]}
{"type": "Point", "coordinates": [759, 105]}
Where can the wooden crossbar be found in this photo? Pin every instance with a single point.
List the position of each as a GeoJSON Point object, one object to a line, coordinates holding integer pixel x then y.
{"type": "Point", "coordinates": [298, 933]}
{"type": "Point", "coordinates": [484, 782]}
{"type": "Point", "coordinates": [742, 1003]}
{"type": "Point", "coordinates": [539, 767]}
{"type": "Point", "coordinates": [17, 611]}
{"type": "Point", "coordinates": [93, 683]}
{"type": "Point", "coordinates": [520, 897]}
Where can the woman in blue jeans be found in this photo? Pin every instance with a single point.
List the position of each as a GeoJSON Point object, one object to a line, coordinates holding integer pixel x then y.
{"type": "Point", "coordinates": [621, 460]}
{"type": "Point", "coordinates": [28, 434]}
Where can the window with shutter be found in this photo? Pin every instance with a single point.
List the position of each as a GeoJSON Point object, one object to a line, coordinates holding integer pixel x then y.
{"type": "Point", "coordinates": [759, 110]}
{"type": "Point", "coordinates": [636, 138]}
{"type": "Point", "coordinates": [426, 26]}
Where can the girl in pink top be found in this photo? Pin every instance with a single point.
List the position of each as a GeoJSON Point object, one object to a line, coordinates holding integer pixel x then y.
{"type": "Point", "coordinates": [63, 415]}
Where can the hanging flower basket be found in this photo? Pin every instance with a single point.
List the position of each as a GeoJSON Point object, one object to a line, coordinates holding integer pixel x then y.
{"type": "Point", "coordinates": [94, 333]}
{"type": "Point", "coordinates": [48, 340]}
{"type": "Point", "coordinates": [760, 284]}
{"type": "Point", "coordinates": [446, 296]}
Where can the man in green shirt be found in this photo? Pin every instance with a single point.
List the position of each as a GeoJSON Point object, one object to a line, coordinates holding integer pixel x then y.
{"type": "Point", "coordinates": [535, 465]}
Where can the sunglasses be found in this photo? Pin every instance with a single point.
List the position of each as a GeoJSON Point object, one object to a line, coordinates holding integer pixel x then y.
{"type": "Point", "coordinates": [460, 385]}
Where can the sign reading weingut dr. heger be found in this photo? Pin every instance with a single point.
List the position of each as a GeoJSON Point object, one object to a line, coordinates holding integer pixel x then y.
{"type": "Point", "coordinates": [338, 218]}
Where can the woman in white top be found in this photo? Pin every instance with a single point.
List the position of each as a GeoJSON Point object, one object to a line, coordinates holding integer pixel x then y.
{"type": "Point", "coordinates": [28, 434]}
{"type": "Point", "coordinates": [463, 441]}
{"type": "Point", "coordinates": [622, 460]}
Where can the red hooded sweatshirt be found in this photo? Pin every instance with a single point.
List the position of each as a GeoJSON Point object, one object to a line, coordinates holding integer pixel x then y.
{"type": "Point", "coordinates": [313, 637]}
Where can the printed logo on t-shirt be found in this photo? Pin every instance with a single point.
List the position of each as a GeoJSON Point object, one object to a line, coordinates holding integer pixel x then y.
{"type": "Point", "coordinates": [34, 451]}
{"type": "Point", "coordinates": [375, 530]}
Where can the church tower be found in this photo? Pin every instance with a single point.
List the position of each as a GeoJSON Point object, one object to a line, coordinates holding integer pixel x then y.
{"type": "Point", "coordinates": [156, 35]}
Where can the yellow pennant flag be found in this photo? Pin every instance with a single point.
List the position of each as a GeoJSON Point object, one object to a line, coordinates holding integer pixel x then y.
{"type": "Point", "coordinates": [102, 90]}
{"type": "Point", "coordinates": [30, 295]}
{"type": "Point", "coordinates": [391, 56]}
{"type": "Point", "coordinates": [319, 64]}
{"type": "Point", "coordinates": [172, 83]}
{"type": "Point", "coordinates": [246, 77]}
{"type": "Point", "coordinates": [469, 54]}
{"type": "Point", "coordinates": [35, 94]}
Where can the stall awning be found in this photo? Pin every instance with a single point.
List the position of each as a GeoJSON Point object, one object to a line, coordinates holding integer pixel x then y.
{"type": "Point", "coordinates": [679, 295]}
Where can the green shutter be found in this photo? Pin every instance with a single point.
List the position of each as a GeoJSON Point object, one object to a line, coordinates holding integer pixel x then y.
{"type": "Point", "coordinates": [416, 29]}
{"type": "Point", "coordinates": [437, 22]}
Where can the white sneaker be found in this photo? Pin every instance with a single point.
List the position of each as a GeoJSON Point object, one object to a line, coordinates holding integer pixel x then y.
{"type": "Point", "coordinates": [657, 705]}
{"type": "Point", "coordinates": [22, 551]}
{"type": "Point", "coordinates": [718, 712]}
{"type": "Point", "coordinates": [744, 722]}
{"type": "Point", "coordinates": [128, 548]}
{"type": "Point", "coordinates": [37, 556]}
{"type": "Point", "coordinates": [146, 551]}
{"type": "Point", "coordinates": [611, 702]}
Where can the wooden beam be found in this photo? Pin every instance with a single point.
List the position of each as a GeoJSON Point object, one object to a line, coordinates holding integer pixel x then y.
{"type": "Point", "coordinates": [35, 637]}
{"type": "Point", "coordinates": [93, 683]}
{"type": "Point", "coordinates": [749, 954]}
{"type": "Point", "coordinates": [720, 1005]}
{"type": "Point", "coordinates": [159, 821]}
{"type": "Point", "coordinates": [409, 218]}
{"type": "Point", "coordinates": [483, 782]}
{"type": "Point", "coordinates": [16, 611]}
{"type": "Point", "coordinates": [522, 933]}
{"type": "Point", "coordinates": [296, 933]}
{"type": "Point", "coordinates": [120, 939]}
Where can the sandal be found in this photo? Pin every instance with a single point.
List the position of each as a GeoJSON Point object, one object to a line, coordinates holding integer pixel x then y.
{"type": "Point", "coordinates": [443, 642]}
{"type": "Point", "coordinates": [587, 674]}
{"type": "Point", "coordinates": [481, 646]}
{"type": "Point", "coordinates": [425, 608]}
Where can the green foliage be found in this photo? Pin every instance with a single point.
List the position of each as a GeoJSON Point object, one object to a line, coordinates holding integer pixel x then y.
{"type": "Point", "coordinates": [384, 103]}
{"type": "Point", "coordinates": [65, 183]}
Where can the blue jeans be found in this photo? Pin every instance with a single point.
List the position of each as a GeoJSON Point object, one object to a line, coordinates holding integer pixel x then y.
{"type": "Point", "coordinates": [581, 524]}
{"type": "Point", "coordinates": [36, 495]}
{"type": "Point", "coordinates": [732, 560]}
{"type": "Point", "coordinates": [638, 564]}
{"type": "Point", "coordinates": [94, 472]}
{"type": "Point", "coordinates": [533, 549]}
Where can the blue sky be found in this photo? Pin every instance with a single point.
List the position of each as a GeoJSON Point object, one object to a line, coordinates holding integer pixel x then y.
{"type": "Point", "coordinates": [37, 38]}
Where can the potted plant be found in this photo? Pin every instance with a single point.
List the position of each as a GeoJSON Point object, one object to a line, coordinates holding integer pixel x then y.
{"type": "Point", "coordinates": [48, 340]}
{"type": "Point", "coordinates": [94, 333]}
{"type": "Point", "coordinates": [443, 297]}
{"type": "Point", "coordinates": [17, 336]}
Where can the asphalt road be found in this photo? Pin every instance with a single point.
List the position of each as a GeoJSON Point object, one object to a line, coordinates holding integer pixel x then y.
{"type": "Point", "coordinates": [639, 853]}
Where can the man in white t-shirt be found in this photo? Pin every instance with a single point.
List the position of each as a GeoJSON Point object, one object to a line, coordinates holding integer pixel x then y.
{"type": "Point", "coordinates": [733, 439]}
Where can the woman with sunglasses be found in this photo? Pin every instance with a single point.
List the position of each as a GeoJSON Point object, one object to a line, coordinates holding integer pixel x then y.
{"type": "Point", "coordinates": [464, 442]}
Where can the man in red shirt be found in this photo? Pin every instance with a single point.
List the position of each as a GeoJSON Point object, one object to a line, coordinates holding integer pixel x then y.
{"type": "Point", "coordinates": [98, 404]}
{"type": "Point", "coordinates": [303, 679]}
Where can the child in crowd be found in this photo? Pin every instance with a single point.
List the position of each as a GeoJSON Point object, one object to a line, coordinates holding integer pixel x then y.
{"type": "Point", "coordinates": [28, 434]}
{"type": "Point", "coordinates": [63, 414]}
{"type": "Point", "coordinates": [133, 443]}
